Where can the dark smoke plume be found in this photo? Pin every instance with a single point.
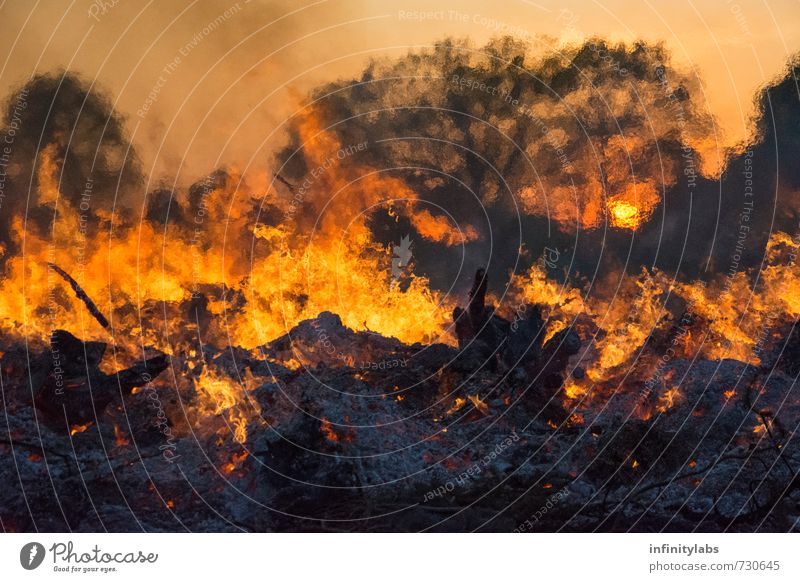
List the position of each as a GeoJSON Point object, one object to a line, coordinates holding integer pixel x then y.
{"type": "Point", "coordinates": [60, 116]}
{"type": "Point", "coordinates": [529, 150]}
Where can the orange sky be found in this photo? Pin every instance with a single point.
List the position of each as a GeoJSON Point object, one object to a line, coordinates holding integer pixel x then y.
{"type": "Point", "coordinates": [222, 90]}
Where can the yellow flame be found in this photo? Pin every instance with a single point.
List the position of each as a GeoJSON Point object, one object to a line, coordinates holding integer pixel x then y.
{"type": "Point", "coordinates": [624, 215]}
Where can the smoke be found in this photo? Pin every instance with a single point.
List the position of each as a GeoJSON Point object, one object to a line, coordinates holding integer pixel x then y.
{"type": "Point", "coordinates": [523, 150]}
{"type": "Point", "coordinates": [57, 120]}
{"type": "Point", "coordinates": [722, 226]}
{"type": "Point", "coordinates": [598, 157]}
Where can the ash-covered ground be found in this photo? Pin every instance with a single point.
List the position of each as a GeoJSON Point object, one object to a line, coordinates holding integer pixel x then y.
{"type": "Point", "coordinates": [352, 431]}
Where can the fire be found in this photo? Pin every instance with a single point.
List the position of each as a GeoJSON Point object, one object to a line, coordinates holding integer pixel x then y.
{"type": "Point", "coordinates": [236, 460]}
{"type": "Point", "coordinates": [629, 316]}
{"type": "Point", "coordinates": [733, 315]}
{"type": "Point", "coordinates": [120, 439]}
{"type": "Point", "coordinates": [561, 302]}
{"type": "Point", "coordinates": [575, 419]}
{"type": "Point", "coordinates": [634, 202]}
{"type": "Point", "coordinates": [668, 399]}
{"type": "Point", "coordinates": [573, 390]}
{"type": "Point", "coordinates": [327, 430]}
{"type": "Point", "coordinates": [535, 287]}
{"type": "Point", "coordinates": [638, 318]}
{"type": "Point", "coordinates": [341, 268]}
{"type": "Point", "coordinates": [79, 428]}
{"type": "Point", "coordinates": [458, 403]}
{"type": "Point", "coordinates": [624, 215]}
{"type": "Point", "coordinates": [223, 396]}
{"type": "Point", "coordinates": [437, 229]}
{"type": "Point", "coordinates": [219, 388]}
{"type": "Point", "coordinates": [479, 404]}
{"type": "Point", "coordinates": [763, 427]}
{"type": "Point", "coordinates": [260, 278]}
{"type": "Point", "coordinates": [129, 266]}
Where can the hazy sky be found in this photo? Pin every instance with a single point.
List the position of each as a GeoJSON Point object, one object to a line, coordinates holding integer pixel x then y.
{"type": "Point", "coordinates": [207, 83]}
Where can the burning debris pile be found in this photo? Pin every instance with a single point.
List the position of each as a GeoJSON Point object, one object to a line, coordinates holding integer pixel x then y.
{"type": "Point", "coordinates": [334, 430]}
{"type": "Point", "coordinates": [257, 353]}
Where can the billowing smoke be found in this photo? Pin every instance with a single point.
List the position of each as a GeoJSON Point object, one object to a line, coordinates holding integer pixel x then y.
{"type": "Point", "coordinates": [522, 150]}
{"type": "Point", "coordinates": [58, 120]}
{"type": "Point", "coordinates": [721, 226]}
{"type": "Point", "coordinates": [599, 158]}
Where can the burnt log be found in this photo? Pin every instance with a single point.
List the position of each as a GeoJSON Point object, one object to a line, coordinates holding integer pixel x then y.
{"type": "Point", "coordinates": [75, 390]}
{"type": "Point", "coordinates": [550, 370]}
{"type": "Point", "coordinates": [525, 334]}
{"type": "Point", "coordinates": [470, 321]}
{"type": "Point", "coordinates": [81, 294]}
{"type": "Point", "coordinates": [477, 299]}
{"type": "Point", "coordinates": [479, 330]}
{"type": "Point", "coordinates": [463, 326]}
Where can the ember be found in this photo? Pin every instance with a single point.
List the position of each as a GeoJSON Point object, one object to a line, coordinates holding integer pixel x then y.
{"type": "Point", "coordinates": [78, 428]}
